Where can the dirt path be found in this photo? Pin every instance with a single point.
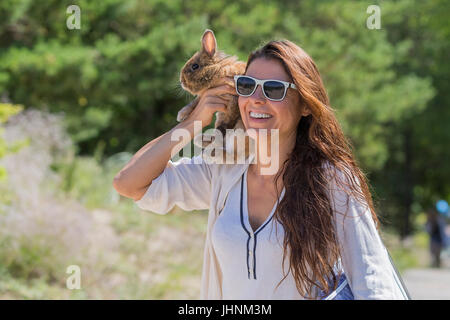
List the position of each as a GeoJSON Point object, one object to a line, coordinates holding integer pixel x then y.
{"type": "Point", "coordinates": [426, 284]}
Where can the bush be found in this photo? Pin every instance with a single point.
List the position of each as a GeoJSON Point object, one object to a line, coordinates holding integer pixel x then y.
{"type": "Point", "coordinates": [90, 182]}
{"type": "Point", "coordinates": [41, 231]}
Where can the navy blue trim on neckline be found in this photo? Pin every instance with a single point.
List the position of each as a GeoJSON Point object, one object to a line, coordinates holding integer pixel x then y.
{"type": "Point", "coordinates": [243, 226]}
{"type": "Point", "coordinates": [249, 233]}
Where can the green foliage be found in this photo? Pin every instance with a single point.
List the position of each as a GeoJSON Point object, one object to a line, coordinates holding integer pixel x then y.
{"type": "Point", "coordinates": [116, 77]}
{"type": "Point", "coordinates": [88, 181]}
{"type": "Point", "coordinates": [413, 253]}
{"type": "Point", "coordinates": [6, 111]}
{"type": "Point", "coordinates": [31, 259]}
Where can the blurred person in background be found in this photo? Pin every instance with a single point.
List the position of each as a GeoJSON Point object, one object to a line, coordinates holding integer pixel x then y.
{"type": "Point", "coordinates": [435, 227]}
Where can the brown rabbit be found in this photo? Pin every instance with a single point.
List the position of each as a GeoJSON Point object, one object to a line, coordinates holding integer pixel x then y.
{"type": "Point", "coordinates": [206, 69]}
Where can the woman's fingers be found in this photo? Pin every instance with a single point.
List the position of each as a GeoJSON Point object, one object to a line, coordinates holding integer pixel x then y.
{"type": "Point", "coordinates": [218, 103]}
{"type": "Point", "coordinates": [221, 99]}
{"type": "Point", "coordinates": [223, 89]}
{"type": "Point", "coordinates": [219, 107]}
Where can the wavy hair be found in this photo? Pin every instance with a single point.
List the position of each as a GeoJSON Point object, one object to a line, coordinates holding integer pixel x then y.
{"type": "Point", "coordinates": [306, 210]}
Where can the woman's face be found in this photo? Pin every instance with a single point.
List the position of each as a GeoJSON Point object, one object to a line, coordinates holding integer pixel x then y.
{"type": "Point", "coordinates": [285, 114]}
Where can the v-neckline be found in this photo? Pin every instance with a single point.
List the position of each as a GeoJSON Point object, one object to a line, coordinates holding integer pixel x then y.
{"type": "Point", "coordinates": [246, 214]}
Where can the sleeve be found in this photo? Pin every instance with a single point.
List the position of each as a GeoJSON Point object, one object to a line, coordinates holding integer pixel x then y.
{"type": "Point", "coordinates": [365, 260]}
{"type": "Point", "coordinates": [186, 183]}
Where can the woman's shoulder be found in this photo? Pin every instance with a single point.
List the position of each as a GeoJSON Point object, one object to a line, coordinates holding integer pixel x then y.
{"type": "Point", "coordinates": [339, 173]}
{"type": "Point", "coordinates": [226, 163]}
{"type": "Point", "coordinates": [343, 183]}
{"type": "Point", "coordinates": [216, 169]}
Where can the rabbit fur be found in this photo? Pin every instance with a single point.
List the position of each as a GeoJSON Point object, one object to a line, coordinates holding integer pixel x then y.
{"type": "Point", "coordinates": [209, 68]}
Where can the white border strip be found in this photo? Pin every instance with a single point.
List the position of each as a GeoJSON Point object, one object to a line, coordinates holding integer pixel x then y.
{"type": "Point", "coordinates": [336, 292]}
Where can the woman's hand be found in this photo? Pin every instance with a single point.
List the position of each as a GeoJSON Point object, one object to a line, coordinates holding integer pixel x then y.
{"type": "Point", "coordinates": [212, 100]}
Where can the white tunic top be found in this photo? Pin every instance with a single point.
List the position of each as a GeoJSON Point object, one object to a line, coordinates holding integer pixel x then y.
{"type": "Point", "coordinates": [192, 184]}
{"type": "Point", "coordinates": [251, 261]}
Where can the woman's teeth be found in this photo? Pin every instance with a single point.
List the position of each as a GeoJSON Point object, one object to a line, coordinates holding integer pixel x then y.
{"type": "Point", "coordinates": [260, 115]}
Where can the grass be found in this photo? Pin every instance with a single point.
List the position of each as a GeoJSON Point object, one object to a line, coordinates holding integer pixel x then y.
{"type": "Point", "coordinates": [147, 256]}
{"type": "Point", "coordinates": [411, 253]}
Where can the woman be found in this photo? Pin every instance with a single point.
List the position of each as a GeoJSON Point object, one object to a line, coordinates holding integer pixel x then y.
{"type": "Point", "coordinates": [317, 202]}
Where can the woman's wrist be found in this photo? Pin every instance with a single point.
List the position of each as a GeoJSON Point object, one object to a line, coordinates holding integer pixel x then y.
{"type": "Point", "coordinates": [194, 127]}
{"type": "Point", "coordinates": [183, 133]}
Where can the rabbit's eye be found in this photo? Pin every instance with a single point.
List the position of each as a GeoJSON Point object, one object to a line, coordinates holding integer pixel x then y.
{"type": "Point", "coordinates": [195, 66]}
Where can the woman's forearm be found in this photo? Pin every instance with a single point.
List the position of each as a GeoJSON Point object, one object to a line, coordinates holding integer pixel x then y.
{"type": "Point", "coordinates": [149, 162]}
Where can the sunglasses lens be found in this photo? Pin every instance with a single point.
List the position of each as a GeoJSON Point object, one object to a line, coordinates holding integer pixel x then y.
{"type": "Point", "coordinates": [245, 85]}
{"type": "Point", "coordinates": [274, 89]}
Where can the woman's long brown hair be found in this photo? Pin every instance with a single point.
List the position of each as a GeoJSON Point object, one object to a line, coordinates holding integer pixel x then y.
{"type": "Point", "coordinates": [306, 210]}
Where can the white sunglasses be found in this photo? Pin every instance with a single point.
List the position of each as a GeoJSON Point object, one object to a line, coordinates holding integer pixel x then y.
{"type": "Point", "coordinates": [274, 90]}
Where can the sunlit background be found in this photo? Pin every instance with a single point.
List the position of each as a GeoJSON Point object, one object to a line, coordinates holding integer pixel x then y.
{"type": "Point", "coordinates": [77, 103]}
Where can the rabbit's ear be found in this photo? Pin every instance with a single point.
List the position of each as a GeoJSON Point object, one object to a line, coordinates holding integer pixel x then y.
{"type": "Point", "coordinates": [209, 44]}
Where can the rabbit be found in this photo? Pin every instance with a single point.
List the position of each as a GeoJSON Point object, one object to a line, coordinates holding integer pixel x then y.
{"type": "Point", "coordinates": [209, 68]}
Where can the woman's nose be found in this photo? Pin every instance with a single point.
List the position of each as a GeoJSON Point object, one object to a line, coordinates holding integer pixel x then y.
{"type": "Point", "coordinates": [258, 95]}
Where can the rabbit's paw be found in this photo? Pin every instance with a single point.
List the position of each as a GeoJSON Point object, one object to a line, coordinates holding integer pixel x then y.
{"type": "Point", "coordinates": [181, 116]}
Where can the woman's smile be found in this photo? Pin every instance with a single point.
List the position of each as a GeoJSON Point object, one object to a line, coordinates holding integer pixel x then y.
{"type": "Point", "coordinates": [259, 117]}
